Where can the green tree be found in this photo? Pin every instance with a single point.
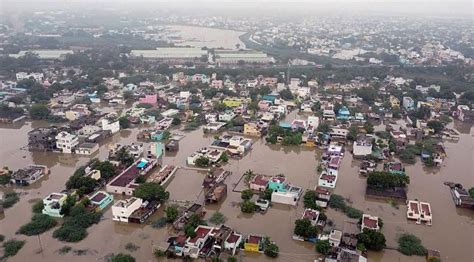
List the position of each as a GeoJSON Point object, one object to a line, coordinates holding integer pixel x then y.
{"type": "Point", "coordinates": [247, 206]}
{"type": "Point", "coordinates": [304, 228]}
{"type": "Point", "coordinates": [128, 96]}
{"type": "Point", "coordinates": [309, 200]}
{"type": "Point", "coordinates": [471, 192]}
{"type": "Point", "coordinates": [176, 121]}
{"type": "Point", "coordinates": [286, 94]}
{"type": "Point", "coordinates": [106, 168]}
{"type": "Point", "coordinates": [437, 126]}
{"type": "Point", "coordinates": [224, 157]}
{"type": "Point", "coordinates": [323, 247]}
{"type": "Point", "coordinates": [267, 194]}
{"type": "Point", "coordinates": [202, 161]}
{"type": "Point", "coordinates": [124, 122]}
{"type": "Point", "coordinates": [385, 180]}
{"type": "Point", "coordinates": [352, 135]}
{"type": "Point", "coordinates": [151, 191]}
{"type": "Point", "coordinates": [270, 248]}
{"type": "Point", "coordinates": [372, 240]}
{"type": "Point", "coordinates": [171, 213]}
{"type": "Point", "coordinates": [39, 112]}
{"type": "Point", "coordinates": [369, 128]}
{"type": "Point", "coordinates": [246, 194]}
{"type": "Point", "coordinates": [324, 128]}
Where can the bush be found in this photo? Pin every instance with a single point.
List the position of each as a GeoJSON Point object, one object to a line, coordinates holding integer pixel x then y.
{"type": "Point", "coordinates": [217, 218]}
{"type": "Point", "coordinates": [75, 225]}
{"type": "Point", "coordinates": [5, 179]}
{"type": "Point", "coordinates": [40, 223]}
{"type": "Point", "coordinates": [323, 247]}
{"type": "Point", "coordinates": [159, 253]}
{"type": "Point", "coordinates": [131, 247]}
{"type": "Point", "coordinates": [232, 259]}
{"type": "Point", "coordinates": [144, 105]}
{"type": "Point", "coordinates": [337, 201]}
{"type": "Point", "coordinates": [247, 206]}
{"type": "Point", "coordinates": [122, 258]}
{"type": "Point", "coordinates": [409, 245]}
{"type": "Point", "coordinates": [10, 199]}
{"type": "Point", "coordinates": [12, 246]}
{"type": "Point", "coordinates": [159, 223]}
{"type": "Point", "coordinates": [353, 212]}
{"type": "Point", "coordinates": [64, 250]}
{"type": "Point", "coordinates": [37, 207]}
{"type": "Point", "coordinates": [246, 194]}
{"type": "Point", "coordinates": [69, 233]}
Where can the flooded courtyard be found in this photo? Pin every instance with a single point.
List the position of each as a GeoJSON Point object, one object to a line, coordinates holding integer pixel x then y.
{"type": "Point", "coordinates": [452, 231]}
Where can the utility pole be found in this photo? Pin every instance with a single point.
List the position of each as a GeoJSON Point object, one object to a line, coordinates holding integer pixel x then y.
{"type": "Point", "coordinates": [41, 246]}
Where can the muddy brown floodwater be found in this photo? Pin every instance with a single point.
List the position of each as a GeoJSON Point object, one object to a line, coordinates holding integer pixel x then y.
{"type": "Point", "coordinates": [452, 231]}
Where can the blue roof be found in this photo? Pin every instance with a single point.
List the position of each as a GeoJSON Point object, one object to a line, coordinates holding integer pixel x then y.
{"type": "Point", "coordinates": [285, 125]}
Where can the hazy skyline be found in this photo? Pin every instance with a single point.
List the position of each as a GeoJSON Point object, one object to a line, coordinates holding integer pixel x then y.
{"type": "Point", "coordinates": [391, 7]}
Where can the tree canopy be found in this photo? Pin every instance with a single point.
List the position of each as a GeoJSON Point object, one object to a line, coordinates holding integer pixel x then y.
{"type": "Point", "coordinates": [151, 191]}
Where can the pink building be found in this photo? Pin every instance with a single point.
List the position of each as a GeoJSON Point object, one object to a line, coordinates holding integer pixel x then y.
{"type": "Point", "coordinates": [148, 99]}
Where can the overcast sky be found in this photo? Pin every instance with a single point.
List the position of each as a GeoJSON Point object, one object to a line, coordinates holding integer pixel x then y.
{"type": "Point", "coordinates": [408, 7]}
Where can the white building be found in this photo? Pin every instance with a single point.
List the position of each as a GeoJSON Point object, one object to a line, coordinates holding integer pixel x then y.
{"type": "Point", "coordinates": [362, 148]}
{"type": "Point", "coordinates": [288, 198]}
{"type": "Point", "coordinates": [122, 209]}
{"type": "Point", "coordinates": [114, 126]}
{"type": "Point", "coordinates": [327, 180]}
{"type": "Point", "coordinates": [66, 142]}
{"type": "Point", "coordinates": [227, 116]}
{"type": "Point", "coordinates": [38, 77]}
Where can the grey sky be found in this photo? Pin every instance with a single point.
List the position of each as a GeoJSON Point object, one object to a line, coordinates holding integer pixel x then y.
{"type": "Point", "coordinates": [408, 7]}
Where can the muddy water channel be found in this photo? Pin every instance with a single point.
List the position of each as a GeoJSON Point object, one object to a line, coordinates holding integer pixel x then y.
{"type": "Point", "coordinates": [452, 231]}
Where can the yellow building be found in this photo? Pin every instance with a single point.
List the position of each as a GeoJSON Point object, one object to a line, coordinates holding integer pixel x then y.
{"type": "Point", "coordinates": [232, 102]}
{"type": "Point", "coordinates": [251, 129]}
{"type": "Point", "coordinates": [395, 102]}
{"type": "Point", "coordinates": [253, 243]}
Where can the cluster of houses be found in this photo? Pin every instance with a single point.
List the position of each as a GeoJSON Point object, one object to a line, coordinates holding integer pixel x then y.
{"type": "Point", "coordinates": [282, 191]}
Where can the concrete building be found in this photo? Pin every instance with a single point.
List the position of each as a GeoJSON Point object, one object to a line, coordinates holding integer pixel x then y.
{"type": "Point", "coordinates": [171, 54]}
{"type": "Point", "coordinates": [38, 77]}
{"type": "Point", "coordinates": [241, 56]}
{"type": "Point", "coordinates": [67, 142]}
{"type": "Point", "coordinates": [53, 203]}
{"type": "Point", "coordinates": [113, 126]}
{"type": "Point", "coordinates": [123, 209]}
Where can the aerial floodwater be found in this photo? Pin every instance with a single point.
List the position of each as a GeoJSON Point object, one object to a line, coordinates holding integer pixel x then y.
{"type": "Point", "coordinates": [235, 131]}
{"type": "Point", "coordinates": [198, 36]}
{"type": "Point", "coordinates": [297, 163]}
